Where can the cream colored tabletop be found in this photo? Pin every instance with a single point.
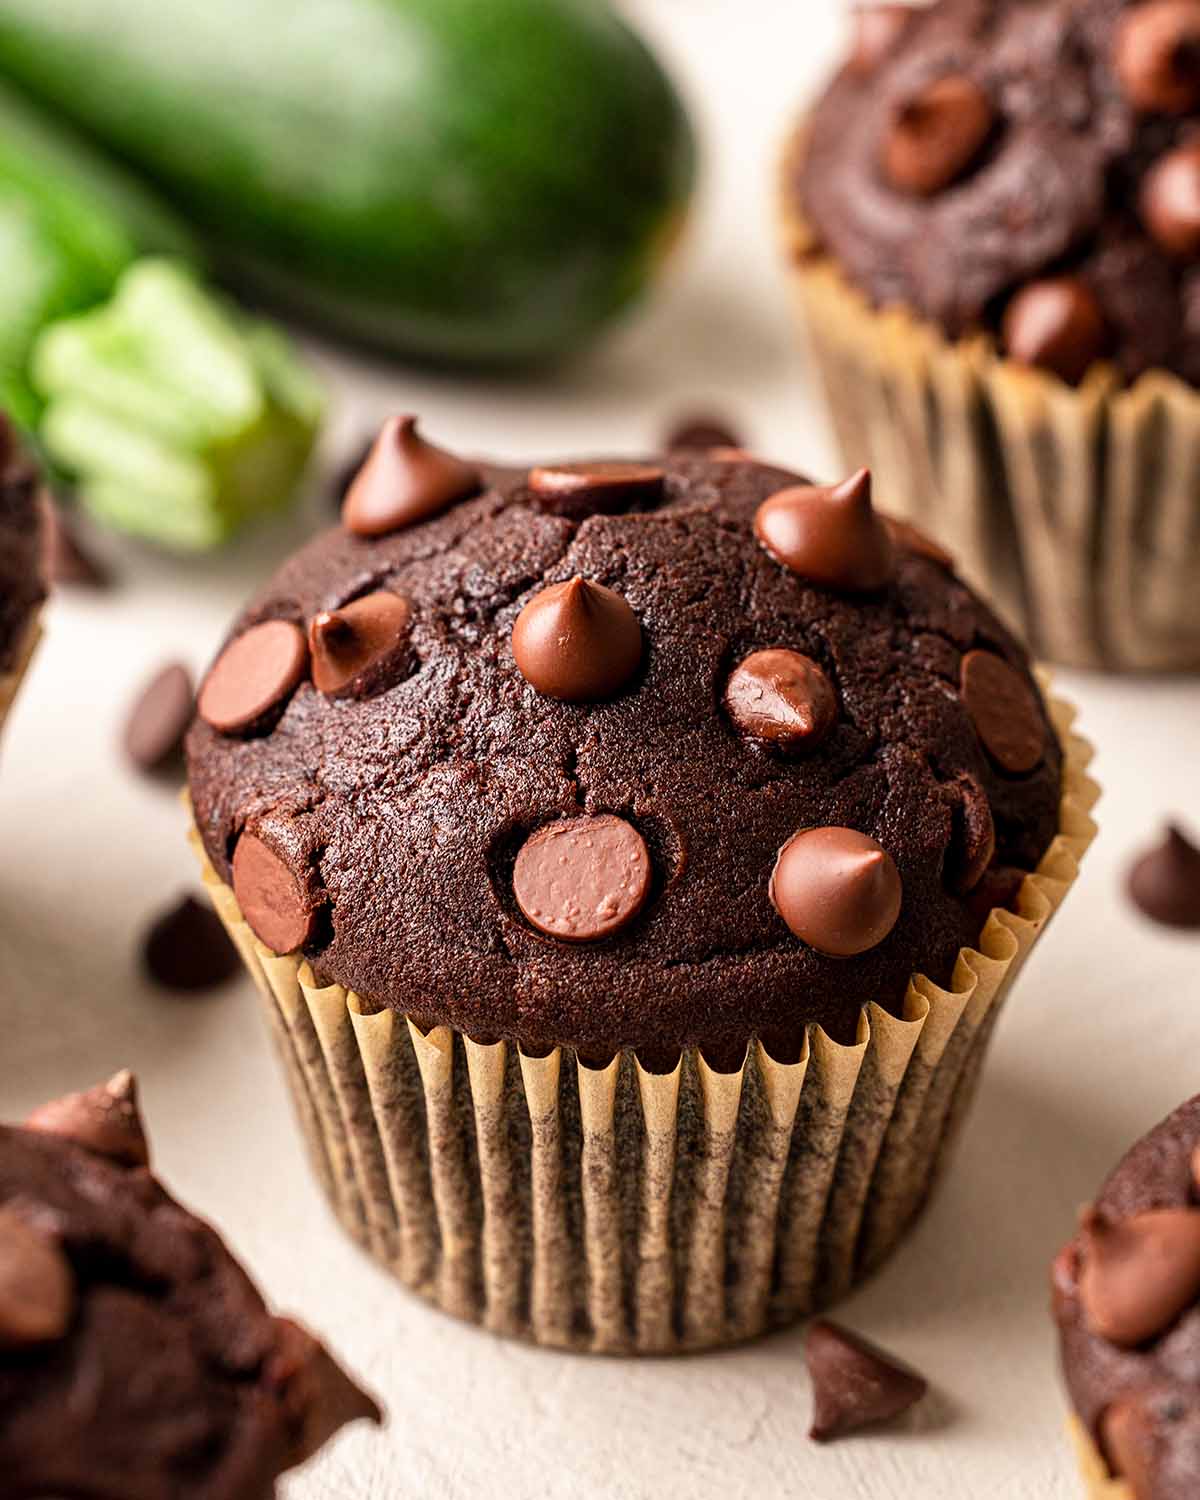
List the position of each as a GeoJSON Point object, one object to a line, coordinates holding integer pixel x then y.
{"type": "Point", "coordinates": [1099, 1042]}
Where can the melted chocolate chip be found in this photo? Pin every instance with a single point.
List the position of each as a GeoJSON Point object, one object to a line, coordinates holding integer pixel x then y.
{"type": "Point", "coordinates": [159, 719]}
{"type": "Point", "coordinates": [405, 480]}
{"type": "Point", "coordinates": [583, 879]}
{"type": "Point", "coordinates": [877, 29]}
{"type": "Point", "coordinates": [936, 136]}
{"type": "Point", "coordinates": [581, 490]}
{"type": "Point", "coordinates": [187, 948]}
{"type": "Point", "coordinates": [781, 697]}
{"type": "Point", "coordinates": [104, 1119]}
{"type": "Point", "coordinates": [855, 1384]}
{"type": "Point", "coordinates": [578, 642]}
{"type": "Point", "coordinates": [1004, 710]}
{"type": "Point", "coordinates": [1170, 201]}
{"type": "Point", "coordinates": [1157, 56]}
{"type": "Point", "coordinates": [1165, 881]}
{"type": "Point", "coordinates": [362, 647]}
{"type": "Point", "coordinates": [830, 535]}
{"type": "Point", "coordinates": [1139, 1273]}
{"type": "Point", "coordinates": [37, 1286]}
{"type": "Point", "coordinates": [272, 899]}
{"type": "Point", "coordinates": [837, 890]}
{"type": "Point", "coordinates": [1055, 325]}
{"type": "Point", "coordinates": [253, 676]}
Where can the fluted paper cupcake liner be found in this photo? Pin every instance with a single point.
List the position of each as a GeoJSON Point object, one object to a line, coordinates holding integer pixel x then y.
{"type": "Point", "coordinates": [619, 1210]}
{"type": "Point", "coordinates": [10, 681]}
{"type": "Point", "coordinates": [1098, 1485]}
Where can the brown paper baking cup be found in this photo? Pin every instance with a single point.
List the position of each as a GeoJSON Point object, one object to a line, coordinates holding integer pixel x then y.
{"type": "Point", "coordinates": [1097, 1483]}
{"type": "Point", "coordinates": [11, 681]}
{"type": "Point", "coordinates": [619, 1210]}
{"type": "Point", "coordinates": [1076, 511]}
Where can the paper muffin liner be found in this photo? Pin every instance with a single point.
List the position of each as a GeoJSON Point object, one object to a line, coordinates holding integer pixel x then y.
{"type": "Point", "coordinates": [11, 681]}
{"type": "Point", "coordinates": [1075, 510]}
{"type": "Point", "coordinates": [618, 1210]}
{"type": "Point", "coordinates": [1097, 1483]}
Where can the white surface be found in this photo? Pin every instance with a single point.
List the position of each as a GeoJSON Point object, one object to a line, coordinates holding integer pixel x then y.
{"type": "Point", "coordinates": [1095, 1048]}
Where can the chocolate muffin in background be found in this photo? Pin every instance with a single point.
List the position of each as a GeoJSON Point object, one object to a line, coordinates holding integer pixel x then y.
{"type": "Point", "coordinates": [1126, 1295]}
{"type": "Point", "coordinates": [993, 223]}
{"type": "Point", "coordinates": [685, 760]}
{"type": "Point", "coordinates": [22, 563]}
{"type": "Point", "coordinates": [137, 1360]}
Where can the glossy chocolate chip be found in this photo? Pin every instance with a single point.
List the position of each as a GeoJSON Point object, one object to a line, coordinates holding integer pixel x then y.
{"type": "Point", "coordinates": [271, 897]}
{"type": "Point", "coordinates": [1157, 56]}
{"type": "Point", "coordinates": [909, 538]}
{"type": "Point", "coordinates": [1170, 202]}
{"type": "Point", "coordinates": [253, 676]}
{"type": "Point", "coordinates": [1165, 882]}
{"type": "Point", "coordinates": [830, 535]}
{"type": "Point", "coordinates": [1139, 1274]}
{"type": "Point", "coordinates": [855, 1384]}
{"type": "Point", "coordinates": [1057, 326]}
{"type": "Point", "coordinates": [875, 31]}
{"type": "Point", "coordinates": [37, 1285]}
{"type": "Point", "coordinates": [782, 697]}
{"type": "Point", "coordinates": [104, 1119]}
{"type": "Point", "coordinates": [1005, 711]}
{"type": "Point", "coordinates": [159, 719]}
{"type": "Point", "coordinates": [583, 879]}
{"type": "Point", "coordinates": [578, 642]}
{"type": "Point", "coordinates": [837, 890]}
{"type": "Point", "coordinates": [700, 432]}
{"type": "Point", "coordinates": [188, 950]}
{"type": "Point", "coordinates": [582, 490]}
{"type": "Point", "coordinates": [972, 836]}
{"type": "Point", "coordinates": [361, 648]}
{"type": "Point", "coordinates": [937, 135]}
{"type": "Point", "coordinates": [405, 480]}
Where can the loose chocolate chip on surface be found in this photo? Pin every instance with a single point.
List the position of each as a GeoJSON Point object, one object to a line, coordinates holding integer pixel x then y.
{"type": "Point", "coordinates": [253, 675]}
{"type": "Point", "coordinates": [1170, 202]}
{"type": "Point", "coordinates": [1139, 1273]}
{"type": "Point", "coordinates": [830, 535]}
{"type": "Point", "coordinates": [909, 538]}
{"type": "Point", "coordinates": [37, 1285]}
{"type": "Point", "coordinates": [837, 890]}
{"type": "Point", "coordinates": [159, 719]}
{"type": "Point", "coordinates": [361, 647]}
{"type": "Point", "coordinates": [1157, 56]}
{"type": "Point", "coordinates": [937, 135]}
{"type": "Point", "coordinates": [66, 560]}
{"type": "Point", "coordinates": [270, 896]}
{"type": "Point", "coordinates": [405, 480]}
{"type": "Point", "coordinates": [876, 30]}
{"type": "Point", "coordinates": [972, 836]}
{"type": "Point", "coordinates": [104, 1119]}
{"type": "Point", "coordinates": [188, 949]}
{"type": "Point", "coordinates": [578, 642]}
{"type": "Point", "coordinates": [1055, 325]}
{"type": "Point", "coordinates": [783, 697]}
{"type": "Point", "coordinates": [581, 490]}
{"type": "Point", "coordinates": [1004, 710]}
{"type": "Point", "coordinates": [855, 1384]}
{"type": "Point", "coordinates": [700, 432]}
{"type": "Point", "coordinates": [1165, 882]}
{"type": "Point", "coordinates": [583, 879]}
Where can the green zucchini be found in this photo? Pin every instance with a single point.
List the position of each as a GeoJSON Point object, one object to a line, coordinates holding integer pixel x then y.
{"type": "Point", "coordinates": [464, 180]}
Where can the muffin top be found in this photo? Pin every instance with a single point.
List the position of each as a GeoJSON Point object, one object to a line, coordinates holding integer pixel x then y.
{"type": "Point", "coordinates": [22, 583]}
{"type": "Point", "coordinates": [1028, 167]}
{"type": "Point", "coordinates": [529, 752]}
{"type": "Point", "coordinates": [137, 1361]}
{"type": "Point", "coordinates": [1127, 1301]}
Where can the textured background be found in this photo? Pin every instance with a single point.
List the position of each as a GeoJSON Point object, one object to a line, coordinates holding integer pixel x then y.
{"type": "Point", "coordinates": [1095, 1048]}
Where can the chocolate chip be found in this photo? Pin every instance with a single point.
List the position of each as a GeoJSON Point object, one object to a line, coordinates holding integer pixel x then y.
{"type": "Point", "coordinates": [578, 642]}
{"type": "Point", "coordinates": [159, 719]}
{"type": "Point", "coordinates": [937, 135]}
{"type": "Point", "coordinates": [66, 560]}
{"type": "Point", "coordinates": [877, 29]}
{"type": "Point", "coordinates": [1055, 325]}
{"type": "Point", "coordinates": [1170, 202]}
{"type": "Point", "coordinates": [348, 472]}
{"type": "Point", "coordinates": [1157, 56]}
{"type": "Point", "coordinates": [1127, 1438]}
{"type": "Point", "coordinates": [405, 480]}
{"type": "Point", "coordinates": [362, 647]}
{"type": "Point", "coordinates": [306, 1380]}
{"type": "Point", "coordinates": [972, 835]}
{"type": "Point", "coordinates": [699, 432]}
{"type": "Point", "coordinates": [104, 1119]}
{"type": "Point", "coordinates": [1000, 888]}
{"type": "Point", "coordinates": [782, 697]}
{"type": "Point", "coordinates": [582, 490]}
{"type": "Point", "coordinates": [272, 899]}
{"type": "Point", "coordinates": [253, 676]}
{"type": "Point", "coordinates": [855, 1384]}
{"type": "Point", "coordinates": [830, 535]}
{"type": "Point", "coordinates": [837, 890]}
{"type": "Point", "coordinates": [1140, 1273]}
{"type": "Point", "coordinates": [37, 1285]}
{"type": "Point", "coordinates": [908, 538]}
{"type": "Point", "coordinates": [1165, 882]}
{"type": "Point", "coordinates": [583, 879]}
{"type": "Point", "coordinates": [1004, 710]}
{"type": "Point", "coordinates": [188, 949]}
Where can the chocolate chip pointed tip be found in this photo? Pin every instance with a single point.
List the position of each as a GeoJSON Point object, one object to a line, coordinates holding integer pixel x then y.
{"type": "Point", "coordinates": [830, 535]}
{"type": "Point", "coordinates": [362, 647]}
{"type": "Point", "coordinates": [405, 479]}
{"type": "Point", "coordinates": [105, 1119]}
{"type": "Point", "coordinates": [319, 1395]}
{"type": "Point", "coordinates": [855, 1383]}
{"type": "Point", "coordinates": [837, 890]}
{"type": "Point", "coordinates": [1164, 882]}
{"type": "Point", "coordinates": [578, 642]}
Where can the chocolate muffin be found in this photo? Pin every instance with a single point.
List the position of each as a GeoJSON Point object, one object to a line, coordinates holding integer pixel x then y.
{"type": "Point", "coordinates": [672, 758]}
{"type": "Point", "coordinates": [993, 217]}
{"type": "Point", "coordinates": [1127, 1301]}
{"type": "Point", "coordinates": [137, 1361]}
{"type": "Point", "coordinates": [22, 572]}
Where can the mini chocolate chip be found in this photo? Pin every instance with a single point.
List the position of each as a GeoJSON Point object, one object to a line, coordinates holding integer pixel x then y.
{"type": "Point", "coordinates": [699, 432]}
{"type": "Point", "coordinates": [1127, 1438]}
{"type": "Point", "coordinates": [830, 535]}
{"type": "Point", "coordinates": [837, 890]}
{"type": "Point", "coordinates": [783, 697]}
{"type": "Point", "coordinates": [1170, 201]}
{"type": "Point", "coordinates": [1157, 56]}
{"type": "Point", "coordinates": [581, 490]}
{"type": "Point", "coordinates": [405, 480]}
{"type": "Point", "coordinates": [909, 538]}
{"type": "Point", "coordinates": [65, 558]}
{"type": "Point", "coordinates": [1165, 882]}
{"type": "Point", "coordinates": [271, 897]}
{"type": "Point", "coordinates": [1055, 325]}
{"type": "Point", "coordinates": [188, 949]}
{"type": "Point", "coordinates": [362, 647]}
{"type": "Point", "coordinates": [855, 1384]}
{"type": "Point", "coordinates": [254, 675]}
{"type": "Point", "coordinates": [877, 29]}
{"type": "Point", "coordinates": [104, 1119]}
{"type": "Point", "coordinates": [578, 642]}
{"type": "Point", "coordinates": [159, 719]}
{"type": "Point", "coordinates": [972, 835]}
{"type": "Point", "coordinates": [1004, 710]}
{"type": "Point", "coordinates": [37, 1285]}
{"type": "Point", "coordinates": [1140, 1273]}
{"type": "Point", "coordinates": [937, 135]}
{"type": "Point", "coordinates": [583, 879]}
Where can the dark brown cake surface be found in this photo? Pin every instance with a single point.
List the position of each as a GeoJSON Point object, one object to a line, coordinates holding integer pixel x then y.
{"type": "Point", "coordinates": [22, 583]}
{"type": "Point", "coordinates": [978, 150]}
{"type": "Point", "coordinates": [398, 833]}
